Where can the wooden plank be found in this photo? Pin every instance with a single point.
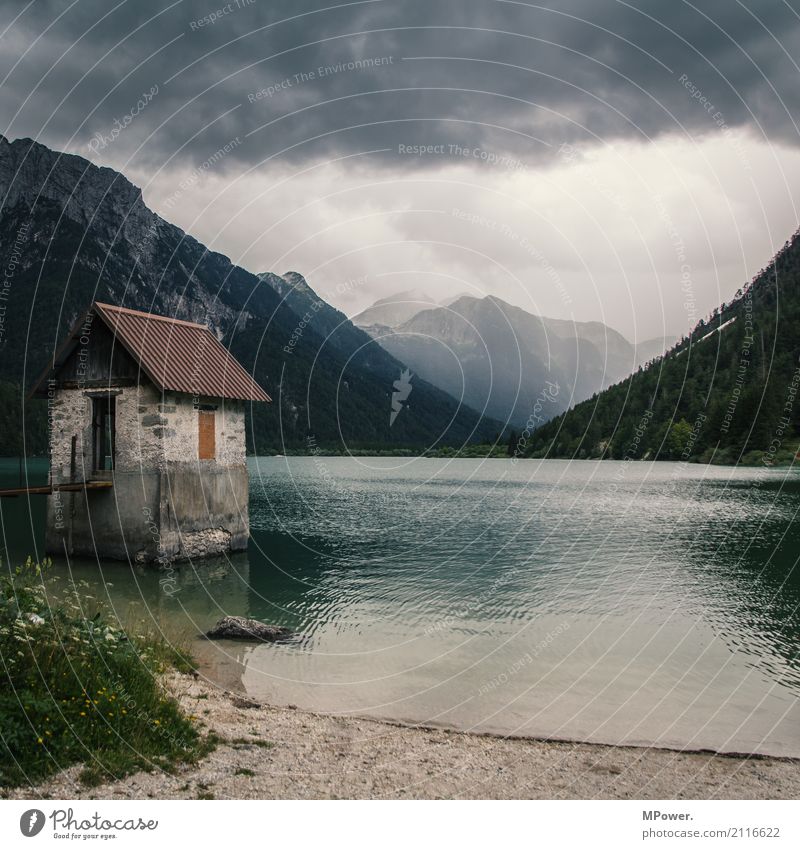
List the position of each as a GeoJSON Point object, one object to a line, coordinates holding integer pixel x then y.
{"type": "Point", "coordinates": [207, 449]}
{"type": "Point", "coordinates": [29, 490]}
{"type": "Point", "coordinates": [48, 490]}
{"type": "Point", "coordinates": [77, 487]}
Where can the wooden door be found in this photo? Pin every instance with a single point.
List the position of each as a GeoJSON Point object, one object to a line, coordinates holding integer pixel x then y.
{"type": "Point", "coordinates": [207, 441]}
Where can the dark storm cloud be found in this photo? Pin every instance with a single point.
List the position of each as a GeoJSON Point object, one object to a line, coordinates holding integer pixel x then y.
{"type": "Point", "coordinates": [301, 80]}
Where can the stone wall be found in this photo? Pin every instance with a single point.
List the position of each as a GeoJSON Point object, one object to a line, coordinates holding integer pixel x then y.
{"type": "Point", "coordinates": [70, 415]}
{"type": "Point", "coordinates": [181, 431]}
{"type": "Point", "coordinates": [138, 437]}
{"type": "Point", "coordinates": [165, 504]}
{"type": "Point", "coordinates": [151, 430]}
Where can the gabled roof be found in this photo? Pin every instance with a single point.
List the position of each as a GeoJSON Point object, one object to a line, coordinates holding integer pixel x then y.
{"type": "Point", "coordinates": [177, 356]}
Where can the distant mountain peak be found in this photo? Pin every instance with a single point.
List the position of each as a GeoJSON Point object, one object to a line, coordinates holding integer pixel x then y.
{"type": "Point", "coordinates": [395, 309]}
{"type": "Point", "coordinates": [409, 295]}
{"type": "Point", "coordinates": [499, 357]}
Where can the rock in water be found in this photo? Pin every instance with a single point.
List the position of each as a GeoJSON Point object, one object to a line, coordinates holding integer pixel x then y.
{"type": "Point", "coordinates": [239, 628]}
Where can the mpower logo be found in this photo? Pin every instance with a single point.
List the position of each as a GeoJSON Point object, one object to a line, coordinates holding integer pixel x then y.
{"type": "Point", "coordinates": [31, 822]}
{"type": "Point", "coordinates": [65, 823]}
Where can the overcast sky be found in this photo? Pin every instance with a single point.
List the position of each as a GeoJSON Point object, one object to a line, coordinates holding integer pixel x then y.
{"type": "Point", "coordinates": [632, 162]}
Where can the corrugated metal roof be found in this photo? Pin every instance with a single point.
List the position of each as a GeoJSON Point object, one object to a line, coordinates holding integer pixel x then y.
{"type": "Point", "coordinates": [180, 356]}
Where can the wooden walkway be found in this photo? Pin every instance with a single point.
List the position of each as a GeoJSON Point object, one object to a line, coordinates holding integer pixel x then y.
{"type": "Point", "coordinates": [49, 489]}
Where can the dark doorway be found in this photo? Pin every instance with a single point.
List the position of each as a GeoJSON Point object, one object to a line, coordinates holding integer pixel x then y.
{"type": "Point", "coordinates": [103, 430]}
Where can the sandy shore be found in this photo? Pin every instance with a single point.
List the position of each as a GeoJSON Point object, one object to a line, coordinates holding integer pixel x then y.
{"type": "Point", "coordinates": [281, 753]}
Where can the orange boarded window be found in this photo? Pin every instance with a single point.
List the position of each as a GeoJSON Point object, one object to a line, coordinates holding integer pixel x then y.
{"type": "Point", "coordinates": [207, 441]}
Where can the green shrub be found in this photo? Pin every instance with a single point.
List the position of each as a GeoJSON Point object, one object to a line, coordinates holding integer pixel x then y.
{"type": "Point", "coordinates": [76, 688]}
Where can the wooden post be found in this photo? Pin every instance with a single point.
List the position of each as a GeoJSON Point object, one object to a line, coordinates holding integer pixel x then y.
{"type": "Point", "coordinates": [73, 462]}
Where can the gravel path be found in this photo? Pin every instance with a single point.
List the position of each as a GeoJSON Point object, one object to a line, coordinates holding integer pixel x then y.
{"type": "Point", "coordinates": [281, 753]}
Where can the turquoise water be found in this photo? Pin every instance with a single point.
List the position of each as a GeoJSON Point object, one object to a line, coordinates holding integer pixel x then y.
{"type": "Point", "coordinates": [626, 603]}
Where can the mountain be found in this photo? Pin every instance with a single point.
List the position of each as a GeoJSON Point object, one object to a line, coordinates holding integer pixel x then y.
{"type": "Point", "coordinates": [71, 233]}
{"type": "Point", "coordinates": [446, 302]}
{"type": "Point", "coordinates": [331, 325]}
{"type": "Point", "coordinates": [394, 310]}
{"type": "Point", "coordinates": [727, 393]}
{"type": "Point", "coordinates": [501, 359]}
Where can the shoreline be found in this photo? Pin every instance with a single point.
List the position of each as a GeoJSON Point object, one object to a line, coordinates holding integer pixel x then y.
{"type": "Point", "coordinates": [500, 454]}
{"type": "Point", "coordinates": [267, 752]}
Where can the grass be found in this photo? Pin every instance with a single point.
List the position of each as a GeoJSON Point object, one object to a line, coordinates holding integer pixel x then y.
{"type": "Point", "coordinates": [77, 688]}
{"type": "Point", "coordinates": [246, 741]}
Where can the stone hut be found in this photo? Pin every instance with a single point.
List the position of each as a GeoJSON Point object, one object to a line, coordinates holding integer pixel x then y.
{"type": "Point", "coordinates": [147, 440]}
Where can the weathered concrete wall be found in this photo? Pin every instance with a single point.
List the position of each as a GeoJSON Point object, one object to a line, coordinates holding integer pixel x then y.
{"type": "Point", "coordinates": [165, 503]}
{"type": "Point", "coordinates": [189, 510]}
{"type": "Point", "coordinates": [204, 509]}
{"type": "Point", "coordinates": [117, 523]}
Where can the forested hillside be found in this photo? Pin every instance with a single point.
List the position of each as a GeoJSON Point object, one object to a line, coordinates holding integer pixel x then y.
{"type": "Point", "coordinates": [727, 393]}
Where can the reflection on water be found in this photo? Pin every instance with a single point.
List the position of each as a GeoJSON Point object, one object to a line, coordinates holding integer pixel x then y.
{"type": "Point", "coordinates": [637, 603]}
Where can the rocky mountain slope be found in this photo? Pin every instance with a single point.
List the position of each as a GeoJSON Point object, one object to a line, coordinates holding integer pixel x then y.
{"type": "Point", "coordinates": [71, 233]}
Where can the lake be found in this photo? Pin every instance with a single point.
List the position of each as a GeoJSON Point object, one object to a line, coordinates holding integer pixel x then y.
{"type": "Point", "coordinates": [635, 603]}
